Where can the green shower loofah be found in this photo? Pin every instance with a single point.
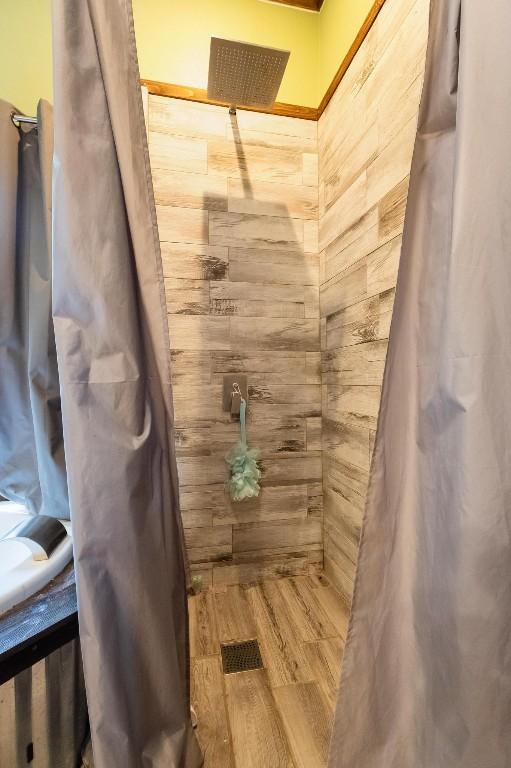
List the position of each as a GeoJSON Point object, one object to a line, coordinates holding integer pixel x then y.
{"type": "Point", "coordinates": [242, 460]}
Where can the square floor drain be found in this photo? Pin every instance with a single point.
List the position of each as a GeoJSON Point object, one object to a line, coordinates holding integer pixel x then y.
{"type": "Point", "coordinates": [241, 657]}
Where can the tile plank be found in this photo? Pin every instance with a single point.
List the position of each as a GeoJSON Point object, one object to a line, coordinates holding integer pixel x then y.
{"type": "Point", "coordinates": [194, 262]}
{"type": "Point", "coordinates": [382, 267]}
{"type": "Point", "coordinates": [190, 190]}
{"type": "Point", "coordinates": [186, 118]}
{"type": "Point", "coordinates": [273, 503]}
{"type": "Point", "coordinates": [310, 169]}
{"type": "Point", "coordinates": [269, 436]}
{"type": "Point", "coordinates": [280, 233]}
{"type": "Point", "coordinates": [248, 537]}
{"type": "Point", "coordinates": [284, 470]}
{"type": "Point", "coordinates": [178, 153]}
{"type": "Point", "coordinates": [182, 225]}
{"type": "Point", "coordinates": [309, 615]}
{"type": "Point", "coordinates": [339, 568]}
{"type": "Point", "coordinates": [203, 630]}
{"type": "Point", "coordinates": [362, 364]}
{"type": "Point", "coordinates": [356, 404]}
{"type": "Point", "coordinates": [190, 367]}
{"type": "Point", "coordinates": [196, 333]}
{"type": "Point", "coordinates": [283, 126]}
{"type": "Point", "coordinates": [261, 569]}
{"type": "Point", "coordinates": [208, 699]}
{"type": "Point", "coordinates": [268, 366]}
{"type": "Point", "coordinates": [208, 544]}
{"type": "Point", "coordinates": [224, 158]}
{"type": "Point", "coordinates": [283, 656]}
{"type": "Point", "coordinates": [325, 657]}
{"type": "Point", "coordinates": [307, 721]}
{"type": "Point", "coordinates": [257, 733]}
{"type": "Point", "coordinates": [273, 334]}
{"type": "Point", "coordinates": [187, 297]}
{"type": "Point", "coordinates": [256, 299]}
{"type": "Point", "coordinates": [347, 442]}
{"type": "Point", "coordinates": [336, 610]}
{"type": "Point", "coordinates": [314, 433]}
{"type": "Point", "coordinates": [262, 138]}
{"type": "Point", "coordinates": [273, 199]}
{"type": "Point", "coordinates": [269, 266]}
{"type": "Point", "coordinates": [234, 619]}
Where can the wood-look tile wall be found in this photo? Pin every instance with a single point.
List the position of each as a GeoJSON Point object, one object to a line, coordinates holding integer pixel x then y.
{"type": "Point", "coordinates": [366, 138]}
{"type": "Point", "coordinates": [237, 205]}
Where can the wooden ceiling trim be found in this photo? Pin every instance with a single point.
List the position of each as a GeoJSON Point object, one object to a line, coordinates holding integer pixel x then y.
{"type": "Point", "coordinates": [200, 95]}
{"type": "Point", "coordinates": [279, 108]}
{"type": "Point", "coordinates": [308, 5]}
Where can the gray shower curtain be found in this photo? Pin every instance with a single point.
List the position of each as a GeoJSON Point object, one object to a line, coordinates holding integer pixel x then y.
{"type": "Point", "coordinates": [113, 353]}
{"type": "Point", "coordinates": [426, 680]}
{"type": "Point", "coordinates": [32, 464]}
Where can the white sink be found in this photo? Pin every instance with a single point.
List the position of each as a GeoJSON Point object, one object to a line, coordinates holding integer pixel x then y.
{"type": "Point", "coordinates": [21, 575]}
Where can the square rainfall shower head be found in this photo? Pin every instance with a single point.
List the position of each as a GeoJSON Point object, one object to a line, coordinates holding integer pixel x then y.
{"type": "Point", "coordinates": [245, 74]}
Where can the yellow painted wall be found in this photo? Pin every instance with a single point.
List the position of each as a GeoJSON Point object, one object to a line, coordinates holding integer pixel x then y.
{"type": "Point", "coordinates": [25, 52]}
{"type": "Point", "coordinates": [339, 23]}
{"type": "Point", "coordinates": [173, 42]}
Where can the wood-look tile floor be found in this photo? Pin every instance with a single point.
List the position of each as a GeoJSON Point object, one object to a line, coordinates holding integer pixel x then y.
{"type": "Point", "coordinates": [279, 716]}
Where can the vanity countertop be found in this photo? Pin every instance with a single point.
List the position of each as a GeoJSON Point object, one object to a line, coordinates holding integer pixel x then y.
{"type": "Point", "coordinates": [33, 629]}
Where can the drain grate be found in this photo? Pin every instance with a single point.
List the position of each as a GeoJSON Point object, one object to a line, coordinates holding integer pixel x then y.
{"type": "Point", "coordinates": [241, 657]}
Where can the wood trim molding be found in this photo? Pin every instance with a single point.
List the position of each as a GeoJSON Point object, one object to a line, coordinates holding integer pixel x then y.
{"type": "Point", "coordinates": [362, 34]}
{"type": "Point", "coordinates": [279, 108]}
{"type": "Point", "coordinates": [199, 94]}
{"type": "Point", "coordinates": [307, 5]}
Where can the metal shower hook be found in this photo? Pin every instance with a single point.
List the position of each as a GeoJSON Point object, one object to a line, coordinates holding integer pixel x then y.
{"type": "Point", "coordinates": [236, 389]}
{"type": "Point", "coordinates": [16, 119]}
{"type": "Point", "coordinates": [236, 399]}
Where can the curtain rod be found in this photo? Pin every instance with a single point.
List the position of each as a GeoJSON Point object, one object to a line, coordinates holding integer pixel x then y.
{"type": "Point", "coordinates": [17, 119]}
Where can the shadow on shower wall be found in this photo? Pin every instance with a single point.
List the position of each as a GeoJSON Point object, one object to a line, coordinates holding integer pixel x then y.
{"type": "Point", "coordinates": [243, 298]}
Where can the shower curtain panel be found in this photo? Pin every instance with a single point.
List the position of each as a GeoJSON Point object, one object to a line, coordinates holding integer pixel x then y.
{"type": "Point", "coordinates": [113, 353]}
{"type": "Point", "coordinates": [32, 464]}
{"type": "Point", "coordinates": [426, 680]}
